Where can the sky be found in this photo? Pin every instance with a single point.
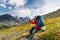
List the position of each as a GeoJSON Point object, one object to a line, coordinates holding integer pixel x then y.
{"type": "Point", "coordinates": [23, 8]}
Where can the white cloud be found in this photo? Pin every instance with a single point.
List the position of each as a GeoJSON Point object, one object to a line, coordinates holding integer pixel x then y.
{"type": "Point", "coordinates": [47, 8]}
{"type": "Point", "coordinates": [17, 2]}
{"type": "Point", "coordinates": [3, 2]}
{"type": "Point", "coordinates": [22, 12]}
{"type": "Point", "coordinates": [3, 5]}
{"type": "Point", "coordinates": [9, 7]}
{"type": "Point", "coordinates": [50, 6]}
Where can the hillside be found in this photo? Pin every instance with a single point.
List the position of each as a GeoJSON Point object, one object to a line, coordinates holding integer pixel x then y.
{"type": "Point", "coordinates": [8, 21]}
{"type": "Point", "coordinates": [52, 24]}
{"type": "Point", "coordinates": [52, 32]}
{"type": "Point", "coordinates": [52, 15]}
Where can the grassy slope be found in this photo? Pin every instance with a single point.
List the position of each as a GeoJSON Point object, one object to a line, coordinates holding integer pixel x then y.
{"type": "Point", "coordinates": [13, 30]}
{"type": "Point", "coordinates": [53, 29]}
{"type": "Point", "coordinates": [52, 32]}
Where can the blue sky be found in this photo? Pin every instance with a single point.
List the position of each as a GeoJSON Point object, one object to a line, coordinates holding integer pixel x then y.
{"type": "Point", "coordinates": [28, 7]}
{"type": "Point", "coordinates": [34, 3]}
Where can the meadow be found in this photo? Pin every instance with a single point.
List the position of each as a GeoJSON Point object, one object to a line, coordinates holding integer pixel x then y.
{"type": "Point", "coordinates": [52, 31]}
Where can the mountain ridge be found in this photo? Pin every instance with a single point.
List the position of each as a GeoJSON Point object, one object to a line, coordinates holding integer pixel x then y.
{"type": "Point", "coordinates": [7, 18]}
{"type": "Point", "coordinates": [52, 15]}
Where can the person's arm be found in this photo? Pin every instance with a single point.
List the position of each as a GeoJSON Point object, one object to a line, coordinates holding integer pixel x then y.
{"type": "Point", "coordinates": [33, 22]}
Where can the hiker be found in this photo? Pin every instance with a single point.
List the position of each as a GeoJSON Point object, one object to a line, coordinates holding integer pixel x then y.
{"type": "Point", "coordinates": [38, 23]}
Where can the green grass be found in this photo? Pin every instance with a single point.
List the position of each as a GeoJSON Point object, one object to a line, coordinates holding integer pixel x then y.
{"type": "Point", "coordinates": [3, 27]}
{"type": "Point", "coordinates": [52, 30]}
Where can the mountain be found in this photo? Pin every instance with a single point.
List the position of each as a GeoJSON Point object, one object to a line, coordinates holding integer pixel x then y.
{"type": "Point", "coordinates": [24, 19]}
{"type": "Point", "coordinates": [52, 15]}
{"type": "Point", "coordinates": [8, 19]}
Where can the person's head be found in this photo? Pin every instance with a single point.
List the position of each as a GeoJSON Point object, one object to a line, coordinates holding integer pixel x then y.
{"type": "Point", "coordinates": [35, 17]}
{"type": "Point", "coordinates": [38, 17]}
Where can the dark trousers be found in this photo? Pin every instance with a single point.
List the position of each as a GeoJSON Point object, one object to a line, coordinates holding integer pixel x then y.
{"type": "Point", "coordinates": [33, 29]}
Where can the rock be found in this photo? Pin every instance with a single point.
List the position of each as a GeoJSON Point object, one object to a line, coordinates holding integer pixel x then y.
{"type": "Point", "coordinates": [24, 38]}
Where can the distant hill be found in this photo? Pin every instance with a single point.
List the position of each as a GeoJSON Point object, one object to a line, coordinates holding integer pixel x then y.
{"type": "Point", "coordinates": [23, 19]}
{"type": "Point", "coordinates": [52, 15]}
{"type": "Point", "coordinates": [9, 19]}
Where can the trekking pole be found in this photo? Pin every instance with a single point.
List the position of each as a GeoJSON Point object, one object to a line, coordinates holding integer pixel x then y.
{"type": "Point", "coordinates": [29, 23]}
